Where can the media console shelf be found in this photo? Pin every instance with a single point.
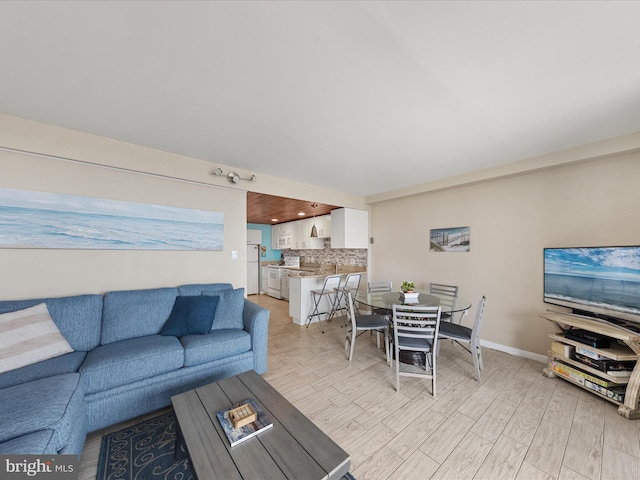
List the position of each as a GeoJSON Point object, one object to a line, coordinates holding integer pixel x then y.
{"type": "Point", "coordinates": [628, 350]}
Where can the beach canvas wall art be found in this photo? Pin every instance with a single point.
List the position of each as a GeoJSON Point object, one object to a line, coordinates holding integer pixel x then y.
{"type": "Point", "coordinates": [30, 219]}
{"type": "Point", "coordinates": [456, 239]}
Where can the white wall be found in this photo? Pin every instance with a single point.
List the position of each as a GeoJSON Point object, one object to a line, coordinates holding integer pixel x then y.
{"type": "Point", "coordinates": [43, 272]}
{"type": "Point", "coordinates": [511, 220]}
{"type": "Point", "coordinates": [28, 273]}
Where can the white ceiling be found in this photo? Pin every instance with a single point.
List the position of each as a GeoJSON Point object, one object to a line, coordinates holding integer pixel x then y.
{"type": "Point", "coordinates": [364, 97]}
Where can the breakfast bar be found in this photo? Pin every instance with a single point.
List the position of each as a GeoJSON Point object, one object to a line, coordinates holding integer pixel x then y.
{"type": "Point", "coordinates": [300, 287]}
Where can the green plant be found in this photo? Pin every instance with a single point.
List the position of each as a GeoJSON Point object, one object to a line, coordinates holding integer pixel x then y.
{"type": "Point", "coordinates": [407, 286]}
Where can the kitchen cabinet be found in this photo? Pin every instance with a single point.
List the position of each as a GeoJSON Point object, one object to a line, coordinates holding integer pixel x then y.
{"type": "Point", "coordinates": [349, 228]}
{"type": "Point", "coordinates": [281, 236]}
{"type": "Point", "coordinates": [297, 234]}
{"type": "Point", "coordinates": [323, 227]}
{"type": "Point", "coordinates": [301, 231]}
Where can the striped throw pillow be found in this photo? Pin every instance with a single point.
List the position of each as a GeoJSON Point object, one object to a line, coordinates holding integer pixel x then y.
{"type": "Point", "coordinates": [29, 336]}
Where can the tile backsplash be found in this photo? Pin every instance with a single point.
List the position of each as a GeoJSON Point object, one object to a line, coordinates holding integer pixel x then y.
{"type": "Point", "coordinates": [341, 256]}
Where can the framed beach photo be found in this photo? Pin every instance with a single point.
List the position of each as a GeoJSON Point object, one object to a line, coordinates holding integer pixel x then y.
{"type": "Point", "coordinates": [30, 219]}
{"type": "Point", "coordinates": [456, 239]}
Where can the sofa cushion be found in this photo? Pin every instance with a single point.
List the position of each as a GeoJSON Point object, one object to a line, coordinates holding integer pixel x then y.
{"type": "Point", "coordinates": [36, 443]}
{"type": "Point", "coordinates": [135, 313]}
{"type": "Point", "coordinates": [191, 316]}
{"type": "Point", "coordinates": [130, 360]}
{"type": "Point", "coordinates": [68, 363]}
{"type": "Point", "coordinates": [217, 344]}
{"type": "Point", "coordinates": [198, 288]}
{"type": "Point", "coordinates": [230, 309]}
{"type": "Point", "coordinates": [77, 436]}
{"type": "Point", "coordinates": [53, 403]}
{"type": "Point", "coordinates": [78, 317]}
{"type": "Point", "coordinates": [29, 336]}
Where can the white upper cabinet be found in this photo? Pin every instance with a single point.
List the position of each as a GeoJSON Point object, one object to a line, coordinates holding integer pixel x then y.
{"type": "Point", "coordinates": [323, 225]}
{"type": "Point", "coordinates": [281, 236]}
{"type": "Point", "coordinates": [297, 234]}
{"type": "Point", "coordinates": [349, 228]}
{"type": "Point", "coordinates": [301, 232]}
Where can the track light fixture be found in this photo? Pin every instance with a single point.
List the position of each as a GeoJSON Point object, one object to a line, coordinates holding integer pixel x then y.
{"type": "Point", "coordinates": [233, 177]}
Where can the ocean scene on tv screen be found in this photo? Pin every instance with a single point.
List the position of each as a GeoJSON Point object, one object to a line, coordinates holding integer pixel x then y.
{"type": "Point", "coordinates": [46, 220]}
{"type": "Point", "coordinates": [606, 277]}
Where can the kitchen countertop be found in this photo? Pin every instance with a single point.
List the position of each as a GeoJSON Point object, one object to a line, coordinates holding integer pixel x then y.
{"type": "Point", "coordinates": [319, 274]}
{"type": "Point", "coordinates": [320, 269]}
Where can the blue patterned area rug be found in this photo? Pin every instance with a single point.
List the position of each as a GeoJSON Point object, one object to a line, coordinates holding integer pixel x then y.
{"type": "Point", "coordinates": [146, 451]}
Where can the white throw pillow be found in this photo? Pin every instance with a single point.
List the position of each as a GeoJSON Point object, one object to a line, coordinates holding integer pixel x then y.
{"type": "Point", "coordinates": [29, 336]}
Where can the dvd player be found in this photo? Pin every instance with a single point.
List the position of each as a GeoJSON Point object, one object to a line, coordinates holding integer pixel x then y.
{"type": "Point", "coordinates": [592, 339]}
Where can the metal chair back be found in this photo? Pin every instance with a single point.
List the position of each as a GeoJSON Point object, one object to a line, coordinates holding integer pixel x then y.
{"type": "Point", "coordinates": [379, 286]}
{"type": "Point", "coordinates": [415, 329]}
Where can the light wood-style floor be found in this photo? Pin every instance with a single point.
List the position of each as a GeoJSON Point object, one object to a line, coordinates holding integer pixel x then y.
{"type": "Point", "coordinates": [515, 424]}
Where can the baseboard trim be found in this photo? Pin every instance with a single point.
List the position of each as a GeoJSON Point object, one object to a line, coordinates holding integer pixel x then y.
{"type": "Point", "coordinates": [515, 351]}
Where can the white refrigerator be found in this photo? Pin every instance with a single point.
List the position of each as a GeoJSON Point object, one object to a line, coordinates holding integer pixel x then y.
{"type": "Point", "coordinates": [253, 269]}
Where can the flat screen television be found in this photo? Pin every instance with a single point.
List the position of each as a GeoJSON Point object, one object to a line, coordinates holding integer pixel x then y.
{"type": "Point", "coordinates": [602, 282]}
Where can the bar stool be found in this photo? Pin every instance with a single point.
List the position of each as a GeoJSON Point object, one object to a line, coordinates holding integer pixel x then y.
{"type": "Point", "coordinates": [351, 284]}
{"type": "Point", "coordinates": [329, 287]}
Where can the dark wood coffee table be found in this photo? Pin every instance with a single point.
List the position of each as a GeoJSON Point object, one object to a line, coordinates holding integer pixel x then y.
{"type": "Point", "coordinates": [294, 448]}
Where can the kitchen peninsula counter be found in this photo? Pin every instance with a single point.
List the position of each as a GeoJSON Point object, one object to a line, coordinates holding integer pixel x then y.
{"type": "Point", "coordinates": [300, 286]}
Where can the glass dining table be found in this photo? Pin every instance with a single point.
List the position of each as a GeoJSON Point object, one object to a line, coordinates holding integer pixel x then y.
{"type": "Point", "coordinates": [384, 301]}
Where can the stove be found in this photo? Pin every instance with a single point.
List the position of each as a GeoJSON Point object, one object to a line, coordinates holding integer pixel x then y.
{"type": "Point", "coordinates": [290, 261]}
{"type": "Point", "coordinates": [274, 272]}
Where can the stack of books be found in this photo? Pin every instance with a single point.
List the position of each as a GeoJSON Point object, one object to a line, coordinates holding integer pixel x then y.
{"type": "Point", "coordinates": [244, 431]}
{"type": "Point", "coordinates": [600, 385]}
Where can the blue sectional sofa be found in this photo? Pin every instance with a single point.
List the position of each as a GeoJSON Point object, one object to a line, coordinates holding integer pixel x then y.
{"type": "Point", "coordinates": [122, 365]}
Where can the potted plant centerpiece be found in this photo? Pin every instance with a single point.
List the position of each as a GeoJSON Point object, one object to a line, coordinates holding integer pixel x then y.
{"type": "Point", "coordinates": [408, 294]}
{"type": "Point", "coordinates": [407, 287]}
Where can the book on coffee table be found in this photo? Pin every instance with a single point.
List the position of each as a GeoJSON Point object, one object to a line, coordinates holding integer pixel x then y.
{"type": "Point", "coordinates": [245, 432]}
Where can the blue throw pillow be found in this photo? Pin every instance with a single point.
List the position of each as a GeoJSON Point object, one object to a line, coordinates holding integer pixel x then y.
{"type": "Point", "coordinates": [230, 309]}
{"type": "Point", "coordinates": [191, 315]}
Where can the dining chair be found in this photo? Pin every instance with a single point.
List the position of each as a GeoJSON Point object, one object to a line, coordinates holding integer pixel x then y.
{"type": "Point", "coordinates": [449, 292]}
{"type": "Point", "coordinates": [380, 287]}
{"type": "Point", "coordinates": [328, 291]}
{"type": "Point", "coordinates": [364, 323]}
{"type": "Point", "coordinates": [416, 329]}
{"type": "Point", "coordinates": [471, 336]}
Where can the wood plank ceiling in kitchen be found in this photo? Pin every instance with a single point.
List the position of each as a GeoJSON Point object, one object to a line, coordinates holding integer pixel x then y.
{"type": "Point", "coordinates": [262, 209]}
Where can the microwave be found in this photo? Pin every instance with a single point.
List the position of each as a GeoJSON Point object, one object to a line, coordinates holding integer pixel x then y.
{"type": "Point", "coordinates": [284, 241]}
